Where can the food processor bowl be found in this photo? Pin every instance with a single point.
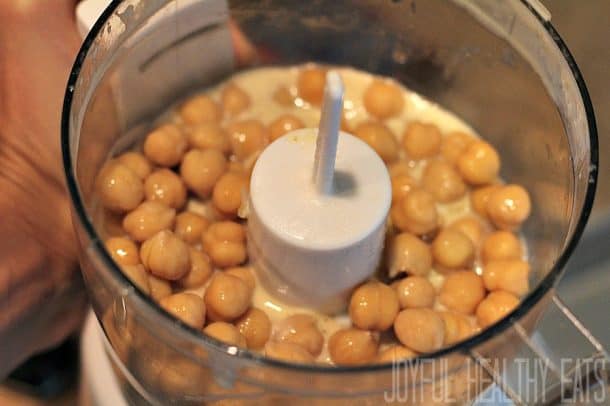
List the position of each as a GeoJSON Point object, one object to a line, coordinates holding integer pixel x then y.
{"type": "Point", "coordinates": [500, 66]}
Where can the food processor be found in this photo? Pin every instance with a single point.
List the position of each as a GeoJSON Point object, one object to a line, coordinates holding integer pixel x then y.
{"type": "Point", "coordinates": [500, 66]}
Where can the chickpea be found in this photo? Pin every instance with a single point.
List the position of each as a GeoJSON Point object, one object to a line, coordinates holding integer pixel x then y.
{"type": "Point", "coordinates": [283, 125]}
{"type": "Point", "coordinates": [495, 306]}
{"type": "Point", "coordinates": [119, 188]}
{"type": "Point", "coordinates": [452, 249]}
{"type": "Point", "coordinates": [233, 100]}
{"type": "Point", "coordinates": [415, 292]}
{"type": "Point", "coordinates": [471, 228]}
{"type": "Point", "coordinates": [137, 274]}
{"type": "Point", "coordinates": [415, 213]}
{"type": "Point", "coordinates": [508, 207]}
{"type": "Point", "coordinates": [479, 198]}
{"type": "Point", "coordinates": [209, 135]}
{"type": "Point", "coordinates": [454, 144]}
{"type": "Point", "coordinates": [283, 97]}
{"type": "Point", "coordinates": [190, 226]}
{"type": "Point", "coordinates": [510, 275]}
{"type": "Point", "coordinates": [186, 307]}
{"type": "Point", "coordinates": [395, 353]}
{"type": "Point", "coordinates": [227, 194]}
{"type": "Point", "coordinates": [422, 330]}
{"type": "Point", "coordinates": [166, 187]}
{"type": "Point", "coordinates": [400, 167]}
{"type": "Point", "coordinates": [200, 109]}
{"type": "Point", "coordinates": [379, 137]}
{"type": "Point", "coordinates": [351, 346]}
{"type": "Point", "coordinates": [301, 329]}
{"type": "Point", "coordinates": [462, 291]}
{"type": "Point", "coordinates": [166, 256]}
{"type": "Point", "coordinates": [402, 184]}
{"type": "Point", "coordinates": [247, 137]}
{"type": "Point", "coordinates": [200, 271]}
{"type": "Point", "coordinates": [225, 332]}
{"type": "Point", "coordinates": [159, 288]}
{"type": "Point", "coordinates": [255, 326]}
{"type": "Point", "coordinates": [227, 297]}
{"type": "Point", "coordinates": [421, 140]}
{"type": "Point", "coordinates": [148, 219]}
{"type": "Point", "coordinates": [373, 306]}
{"type": "Point", "coordinates": [137, 163]}
{"type": "Point", "coordinates": [407, 253]}
{"type": "Point", "coordinates": [123, 251]}
{"type": "Point", "coordinates": [180, 377]}
{"type": "Point", "coordinates": [244, 273]}
{"type": "Point", "coordinates": [479, 164]}
{"type": "Point", "coordinates": [201, 169]}
{"type": "Point", "coordinates": [457, 327]}
{"type": "Point", "coordinates": [383, 99]}
{"type": "Point", "coordinates": [445, 184]}
{"type": "Point", "coordinates": [288, 352]}
{"type": "Point", "coordinates": [165, 146]}
{"type": "Point", "coordinates": [310, 84]}
{"type": "Point", "coordinates": [224, 242]}
{"type": "Point", "coordinates": [501, 245]}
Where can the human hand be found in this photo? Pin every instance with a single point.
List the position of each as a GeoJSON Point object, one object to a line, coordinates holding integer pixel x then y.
{"type": "Point", "coordinates": [41, 297]}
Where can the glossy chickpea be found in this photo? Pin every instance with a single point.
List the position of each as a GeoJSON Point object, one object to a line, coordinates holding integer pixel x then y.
{"type": "Point", "coordinates": [165, 146]}
{"type": "Point", "coordinates": [120, 189]}
{"type": "Point", "coordinates": [421, 140]}
{"type": "Point", "coordinates": [224, 242]}
{"type": "Point", "coordinates": [226, 333]}
{"type": "Point", "coordinates": [245, 273]}
{"type": "Point", "coordinates": [351, 346]}
{"type": "Point", "coordinates": [233, 100]}
{"type": "Point", "coordinates": [209, 135]}
{"type": "Point", "coordinates": [190, 226]}
{"type": "Point", "coordinates": [310, 84]}
{"type": "Point", "coordinates": [283, 125]}
{"type": "Point", "coordinates": [137, 274]}
{"type": "Point", "coordinates": [457, 327]}
{"type": "Point", "coordinates": [187, 307]}
{"type": "Point", "coordinates": [501, 245]}
{"type": "Point", "coordinates": [395, 353]}
{"type": "Point", "coordinates": [443, 182]}
{"type": "Point", "coordinates": [415, 292]}
{"type": "Point", "coordinates": [510, 275]}
{"type": "Point", "coordinates": [415, 213]}
{"type": "Point", "coordinates": [148, 219]}
{"type": "Point", "coordinates": [373, 306]}
{"type": "Point", "coordinates": [479, 163]}
{"type": "Point", "coordinates": [228, 191]}
{"type": "Point", "coordinates": [165, 187]}
{"type": "Point", "coordinates": [255, 326]}
{"type": "Point", "coordinates": [301, 329]}
{"type": "Point", "coordinates": [454, 144]}
{"type": "Point", "coordinates": [383, 99]}
{"type": "Point", "coordinates": [462, 291]}
{"type": "Point", "coordinates": [227, 297]}
{"type": "Point", "coordinates": [137, 163]}
{"type": "Point", "coordinates": [452, 249]}
{"type": "Point", "coordinates": [159, 288]}
{"type": "Point", "coordinates": [422, 330]}
{"type": "Point", "coordinates": [379, 137]}
{"type": "Point", "coordinates": [479, 198]}
{"type": "Point", "coordinates": [508, 207]}
{"type": "Point", "coordinates": [199, 273]}
{"type": "Point", "coordinates": [283, 97]}
{"type": "Point", "coordinates": [166, 256]}
{"type": "Point", "coordinates": [471, 228]}
{"type": "Point", "coordinates": [201, 169]}
{"type": "Point", "coordinates": [123, 251]}
{"type": "Point", "coordinates": [495, 306]}
{"type": "Point", "coordinates": [288, 352]}
{"type": "Point", "coordinates": [402, 184]}
{"type": "Point", "coordinates": [407, 253]}
{"type": "Point", "coordinates": [247, 137]}
{"type": "Point", "coordinates": [200, 109]}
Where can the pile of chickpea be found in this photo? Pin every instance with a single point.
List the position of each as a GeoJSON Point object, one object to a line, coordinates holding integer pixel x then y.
{"type": "Point", "coordinates": [195, 266]}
